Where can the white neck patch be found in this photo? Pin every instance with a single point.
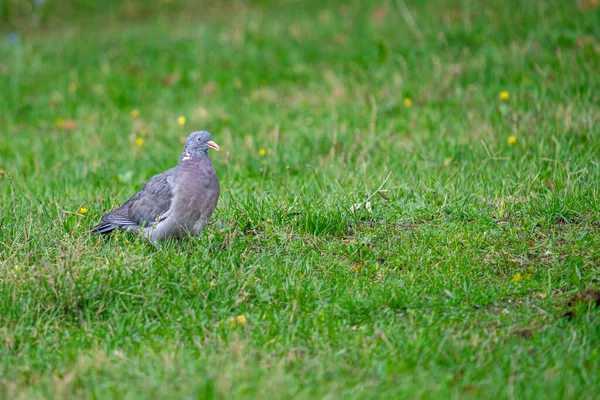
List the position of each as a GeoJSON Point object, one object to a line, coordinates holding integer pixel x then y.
{"type": "Point", "coordinates": [186, 156]}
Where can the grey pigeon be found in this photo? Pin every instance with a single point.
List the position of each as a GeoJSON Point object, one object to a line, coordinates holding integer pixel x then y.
{"type": "Point", "coordinates": [176, 203]}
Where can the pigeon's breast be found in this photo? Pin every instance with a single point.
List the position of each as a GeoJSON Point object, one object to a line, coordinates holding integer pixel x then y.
{"type": "Point", "coordinates": [196, 193]}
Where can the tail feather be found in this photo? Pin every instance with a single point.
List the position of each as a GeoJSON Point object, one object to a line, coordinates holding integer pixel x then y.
{"type": "Point", "coordinates": [103, 227]}
{"type": "Point", "coordinates": [113, 220]}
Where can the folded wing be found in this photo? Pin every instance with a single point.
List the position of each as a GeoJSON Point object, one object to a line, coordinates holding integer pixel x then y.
{"type": "Point", "coordinates": [144, 208]}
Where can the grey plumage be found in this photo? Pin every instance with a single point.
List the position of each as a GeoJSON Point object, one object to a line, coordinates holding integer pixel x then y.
{"type": "Point", "coordinates": [176, 203]}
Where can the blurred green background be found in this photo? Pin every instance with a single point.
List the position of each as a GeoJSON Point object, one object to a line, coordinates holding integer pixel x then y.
{"type": "Point", "coordinates": [410, 199]}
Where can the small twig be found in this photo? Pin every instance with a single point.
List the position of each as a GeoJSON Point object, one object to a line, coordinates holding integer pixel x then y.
{"type": "Point", "coordinates": [490, 154]}
{"type": "Point", "coordinates": [541, 310]}
{"type": "Point", "coordinates": [486, 149]}
{"type": "Point", "coordinates": [380, 186]}
{"type": "Point", "coordinates": [366, 203]}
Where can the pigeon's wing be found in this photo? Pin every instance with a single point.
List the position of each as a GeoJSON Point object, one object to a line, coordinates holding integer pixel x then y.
{"type": "Point", "coordinates": [145, 207]}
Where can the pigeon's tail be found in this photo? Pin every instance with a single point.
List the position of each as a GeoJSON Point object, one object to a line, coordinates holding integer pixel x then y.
{"type": "Point", "coordinates": [114, 220]}
{"type": "Point", "coordinates": [103, 228]}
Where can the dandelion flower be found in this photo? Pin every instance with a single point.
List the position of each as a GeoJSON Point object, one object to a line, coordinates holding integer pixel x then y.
{"type": "Point", "coordinates": [139, 142]}
{"type": "Point", "coordinates": [83, 210]}
{"type": "Point", "coordinates": [262, 152]}
{"type": "Point", "coordinates": [268, 220]}
{"type": "Point", "coordinates": [518, 277]}
{"type": "Point", "coordinates": [504, 95]}
{"type": "Point", "coordinates": [135, 113]}
{"type": "Point", "coordinates": [408, 102]}
{"type": "Point", "coordinates": [512, 140]}
{"type": "Point", "coordinates": [181, 120]}
{"type": "Point", "coordinates": [241, 319]}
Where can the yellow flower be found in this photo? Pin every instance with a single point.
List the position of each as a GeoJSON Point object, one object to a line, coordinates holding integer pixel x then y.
{"type": "Point", "coordinates": [504, 95]}
{"type": "Point", "coordinates": [262, 152]}
{"type": "Point", "coordinates": [139, 142]}
{"type": "Point", "coordinates": [72, 87]}
{"type": "Point", "coordinates": [268, 220]}
{"type": "Point", "coordinates": [236, 321]}
{"type": "Point", "coordinates": [512, 139]}
{"type": "Point", "coordinates": [135, 113]}
{"type": "Point", "coordinates": [181, 120]}
{"type": "Point", "coordinates": [408, 102]}
{"type": "Point", "coordinates": [518, 277]}
{"type": "Point", "coordinates": [83, 210]}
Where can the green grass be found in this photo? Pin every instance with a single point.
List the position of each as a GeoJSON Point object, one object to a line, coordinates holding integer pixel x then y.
{"type": "Point", "coordinates": [419, 297]}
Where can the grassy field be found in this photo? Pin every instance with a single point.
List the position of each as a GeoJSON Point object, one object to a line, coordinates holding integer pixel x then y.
{"type": "Point", "coordinates": [410, 199]}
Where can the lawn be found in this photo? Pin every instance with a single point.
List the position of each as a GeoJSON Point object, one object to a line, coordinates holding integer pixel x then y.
{"type": "Point", "coordinates": [410, 202]}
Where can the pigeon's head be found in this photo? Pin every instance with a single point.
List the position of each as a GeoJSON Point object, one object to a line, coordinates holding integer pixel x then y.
{"type": "Point", "coordinates": [200, 142]}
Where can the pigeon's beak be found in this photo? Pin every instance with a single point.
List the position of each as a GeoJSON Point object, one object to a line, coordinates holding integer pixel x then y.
{"type": "Point", "coordinates": [213, 145]}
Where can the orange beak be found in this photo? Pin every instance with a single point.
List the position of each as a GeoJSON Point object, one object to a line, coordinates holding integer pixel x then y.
{"type": "Point", "coordinates": [213, 145]}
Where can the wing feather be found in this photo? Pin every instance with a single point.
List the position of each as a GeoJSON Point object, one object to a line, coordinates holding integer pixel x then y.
{"type": "Point", "coordinates": [145, 207]}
